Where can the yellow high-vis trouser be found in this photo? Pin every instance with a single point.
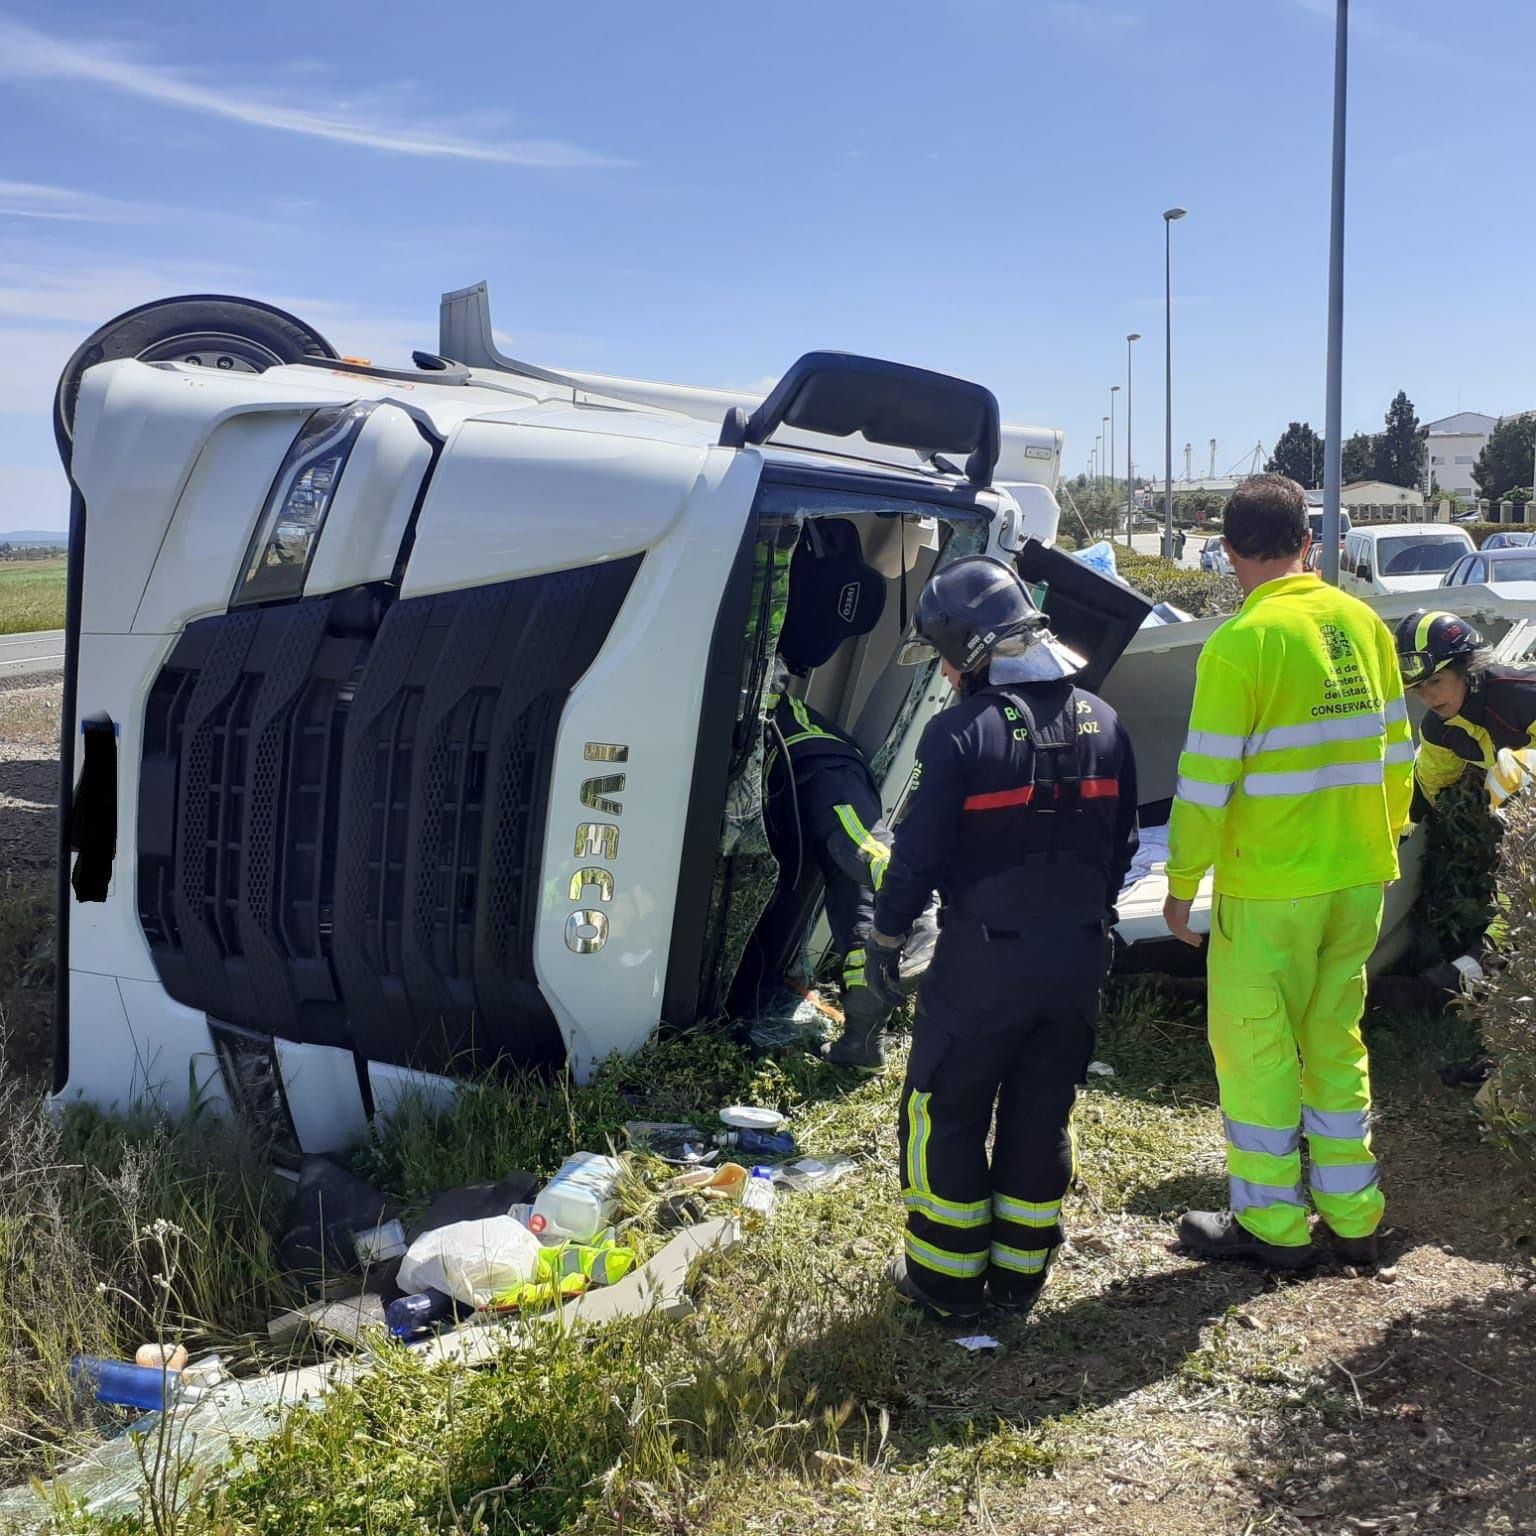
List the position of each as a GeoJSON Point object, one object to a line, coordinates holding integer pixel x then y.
{"type": "Point", "coordinates": [1287, 980]}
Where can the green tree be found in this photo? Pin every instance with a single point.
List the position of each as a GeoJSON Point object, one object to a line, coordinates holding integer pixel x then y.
{"type": "Point", "coordinates": [1505, 462]}
{"type": "Point", "coordinates": [1299, 454]}
{"type": "Point", "coordinates": [1358, 458]}
{"type": "Point", "coordinates": [1400, 446]}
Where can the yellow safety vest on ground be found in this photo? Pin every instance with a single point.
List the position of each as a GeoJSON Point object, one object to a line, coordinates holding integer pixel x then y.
{"type": "Point", "coordinates": [1297, 775]}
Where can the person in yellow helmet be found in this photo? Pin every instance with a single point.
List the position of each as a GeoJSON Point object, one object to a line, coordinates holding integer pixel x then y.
{"type": "Point", "coordinates": [1479, 715]}
{"type": "Point", "coordinates": [1294, 787]}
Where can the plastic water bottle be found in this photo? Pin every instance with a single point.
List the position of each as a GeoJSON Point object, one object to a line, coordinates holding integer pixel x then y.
{"type": "Point", "coordinates": [127, 1385]}
{"type": "Point", "coordinates": [759, 1143]}
{"type": "Point", "coordinates": [759, 1192]}
{"type": "Point", "coordinates": [579, 1201]}
{"type": "Point", "coordinates": [409, 1315]}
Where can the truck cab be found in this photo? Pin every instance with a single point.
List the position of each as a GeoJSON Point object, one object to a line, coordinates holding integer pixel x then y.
{"type": "Point", "coordinates": [415, 717]}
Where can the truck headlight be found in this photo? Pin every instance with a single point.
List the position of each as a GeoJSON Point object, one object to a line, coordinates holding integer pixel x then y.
{"type": "Point", "coordinates": [290, 523]}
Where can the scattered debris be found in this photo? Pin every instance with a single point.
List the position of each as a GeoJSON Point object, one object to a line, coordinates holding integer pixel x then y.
{"type": "Point", "coordinates": [1100, 1069]}
{"type": "Point", "coordinates": [976, 1343]}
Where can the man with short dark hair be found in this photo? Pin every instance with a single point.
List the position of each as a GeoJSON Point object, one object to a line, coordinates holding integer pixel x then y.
{"type": "Point", "coordinates": [1294, 785]}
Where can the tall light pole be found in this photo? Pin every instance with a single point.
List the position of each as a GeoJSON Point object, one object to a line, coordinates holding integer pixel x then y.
{"type": "Point", "coordinates": [1109, 463]}
{"type": "Point", "coordinates": [1333, 447]}
{"type": "Point", "coordinates": [1130, 517]}
{"type": "Point", "coordinates": [1114, 389]}
{"type": "Point", "coordinates": [1168, 220]}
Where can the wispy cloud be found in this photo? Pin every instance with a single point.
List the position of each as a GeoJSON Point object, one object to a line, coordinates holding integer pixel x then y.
{"type": "Point", "coordinates": [29, 200]}
{"type": "Point", "coordinates": [28, 54]}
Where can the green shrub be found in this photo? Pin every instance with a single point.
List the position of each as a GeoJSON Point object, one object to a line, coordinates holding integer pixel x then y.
{"type": "Point", "coordinates": [1508, 1014]}
{"type": "Point", "coordinates": [1456, 897]}
{"type": "Point", "coordinates": [1198, 593]}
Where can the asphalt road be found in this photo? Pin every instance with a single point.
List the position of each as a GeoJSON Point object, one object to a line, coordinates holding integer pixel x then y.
{"type": "Point", "coordinates": [23, 655]}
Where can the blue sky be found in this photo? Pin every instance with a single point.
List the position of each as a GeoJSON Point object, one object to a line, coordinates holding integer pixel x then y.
{"type": "Point", "coordinates": [702, 191]}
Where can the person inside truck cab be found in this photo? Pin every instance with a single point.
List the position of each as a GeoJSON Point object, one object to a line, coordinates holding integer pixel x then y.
{"type": "Point", "coordinates": [1478, 714]}
{"type": "Point", "coordinates": [822, 803]}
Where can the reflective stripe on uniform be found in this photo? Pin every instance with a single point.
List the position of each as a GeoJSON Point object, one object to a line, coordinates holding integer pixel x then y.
{"type": "Point", "coordinates": [1247, 1137]}
{"type": "Point", "coordinates": [1342, 1178]}
{"type": "Point", "coordinates": [1340, 1124]}
{"type": "Point", "coordinates": [1396, 710]}
{"type": "Point", "coordinates": [1399, 752]}
{"type": "Point", "coordinates": [1318, 733]}
{"type": "Point", "coordinates": [1214, 744]}
{"type": "Point", "coordinates": [1022, 1261]}
{"type": "Point", "coordinates": [1028, 1213]}
{"type": "Point", "coordinates": [948, 1213]}
{"type": "Point", "coordinates": [963, 1266]}
{"type": "Point", "coordinates": [1245, 1195]}
{"type": "Point", "coordinates": [919, 1194]}
{"type": "Point", "coordinates": [864, 840]}
{"type": "Point", "coordinates": [1307, 780]}
{"type": "Point", "coordinates": [1199, 792]}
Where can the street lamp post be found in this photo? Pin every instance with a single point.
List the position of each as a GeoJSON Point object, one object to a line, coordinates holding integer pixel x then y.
{"type": "Point", "coordinates": [1106, 466]}
{"type": "Point", "coordinates": [1114, 389]}
{"type": "Point", "coordinates": [1168, 221]}
{"type": "Point", "coordinates": [1129, 481]}
{"type": "Point", "coordinates": [1333, 447]}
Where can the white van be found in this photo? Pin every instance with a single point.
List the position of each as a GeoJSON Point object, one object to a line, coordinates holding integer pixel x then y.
{"type": "Point", "coordinates": [1400, 557]}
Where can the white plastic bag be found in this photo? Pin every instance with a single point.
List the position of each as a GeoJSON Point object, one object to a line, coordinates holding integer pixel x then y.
{"type": "Point", "coordinates": [471, 1260]}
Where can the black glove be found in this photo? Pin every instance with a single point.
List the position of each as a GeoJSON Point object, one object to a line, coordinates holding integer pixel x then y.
{"type": "Point", "coordinates": [882, 969]}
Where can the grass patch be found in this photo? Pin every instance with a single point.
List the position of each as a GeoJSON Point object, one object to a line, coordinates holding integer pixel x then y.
{"type": "Point", "coordinates": [31, 595]}
{"type": "Point", "coordinates": [26, 974]}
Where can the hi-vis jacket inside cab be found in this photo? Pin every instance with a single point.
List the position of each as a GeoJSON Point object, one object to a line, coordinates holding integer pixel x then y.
{"type": "Point", "coordinates": [1297, 775]}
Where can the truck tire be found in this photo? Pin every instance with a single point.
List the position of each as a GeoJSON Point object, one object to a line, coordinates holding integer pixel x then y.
{"type": "Point", "coordinates": [240, 335]}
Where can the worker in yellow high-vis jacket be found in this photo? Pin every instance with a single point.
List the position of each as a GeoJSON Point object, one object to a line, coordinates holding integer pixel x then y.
{"type": "Point", "coordinates": [1294, 787]}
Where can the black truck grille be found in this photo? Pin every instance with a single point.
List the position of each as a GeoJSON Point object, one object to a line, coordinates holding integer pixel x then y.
{"type": "Point", "coordinates": [341, 812]}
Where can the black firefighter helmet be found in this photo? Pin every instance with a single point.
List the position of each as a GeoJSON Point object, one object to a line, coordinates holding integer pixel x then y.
{"type": "Point", "coordinates": [1428, 642]}
{"type": "Point", "coordinates": [967, 611]}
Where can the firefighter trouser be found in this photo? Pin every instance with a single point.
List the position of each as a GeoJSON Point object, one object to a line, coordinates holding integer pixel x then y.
{"type": "Point", "coordinates": [1006, 1023]}
{"type": "Point", "coordinates": [1287, 980]}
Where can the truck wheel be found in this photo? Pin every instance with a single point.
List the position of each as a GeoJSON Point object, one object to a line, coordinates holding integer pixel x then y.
{"type": "Point", "coordinates": [236, 335]}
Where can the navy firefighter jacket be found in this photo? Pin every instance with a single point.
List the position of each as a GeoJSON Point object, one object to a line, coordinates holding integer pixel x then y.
{"type": "Point", "coordinates": [1024, 806]}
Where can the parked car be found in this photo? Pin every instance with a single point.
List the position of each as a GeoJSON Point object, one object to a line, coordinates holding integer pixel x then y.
{"type": "Point", "coordinates": [1518, 539]}
{"type": "Point", "coordinates": [1400, 557]}
{"type": "Point", "coordinates": [1214, 558]}
{"type": "Point", "coordinates": [1509, 571]}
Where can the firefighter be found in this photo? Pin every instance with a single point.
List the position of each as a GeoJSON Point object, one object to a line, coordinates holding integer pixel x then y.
{"type": "Point", "coordinates": [1478, 714]}
{"type": "Point", "coordinates": [823, 803]}
{"type": "Point", "coordinates": [1294, 785]}
{"type": "Point", "coordinates": [1023, 816]}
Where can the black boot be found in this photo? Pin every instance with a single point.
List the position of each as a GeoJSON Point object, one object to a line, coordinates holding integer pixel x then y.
{"type": "Point", "coordinates": [908, 1289]}
{"type": "Point", "coordinates": [1360, 1252]}
{"type": "Point", "coordinates": [862, 1043]}
{"type": "Point", "coordinates": [1219, 1235]}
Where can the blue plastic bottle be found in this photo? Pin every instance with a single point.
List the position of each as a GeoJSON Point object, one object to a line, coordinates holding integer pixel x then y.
{"type": "Point", "coordinates": [125, 1384]}
{"type": "Point", "coordinates": [409, 1315]}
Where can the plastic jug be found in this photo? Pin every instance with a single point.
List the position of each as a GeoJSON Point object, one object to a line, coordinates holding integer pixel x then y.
{"type": "Point", "coordinates": [759, 1192]}
{"type": "Point", "coordinates": [579, 1201]}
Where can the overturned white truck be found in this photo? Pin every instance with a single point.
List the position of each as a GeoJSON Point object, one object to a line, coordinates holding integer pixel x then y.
{"type": "Point", "coordinates": [414, 716]}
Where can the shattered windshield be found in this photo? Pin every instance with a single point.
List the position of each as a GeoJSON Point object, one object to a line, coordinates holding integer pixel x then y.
{"type": "Point", "coordinates": [1417, 555]}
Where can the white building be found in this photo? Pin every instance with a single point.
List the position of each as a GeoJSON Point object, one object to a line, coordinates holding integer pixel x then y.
{"type": "Point", "coordinates": [1378, 493]}
{"type": "Point", "coordinates": [1454, 444]}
